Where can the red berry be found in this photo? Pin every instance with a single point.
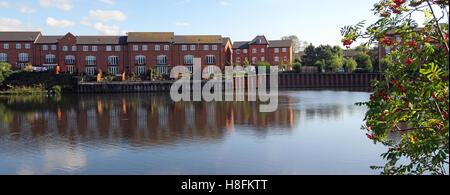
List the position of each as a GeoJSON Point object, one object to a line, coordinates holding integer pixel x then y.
{"type": "Point", "coordinates": [382, 118]}
{"type": "Point", "coordinates": [394, 82]}
{"type": "Point", "coordinates": [409, 61]}
{"type": "Point", "coordinates": [446, 115]}
{"type": "Point", "coordinates": [388, 98]}
{"type": "Point", "coordinates": [412, 43]}
{"type": "Point", "coordinates": [442, 99]}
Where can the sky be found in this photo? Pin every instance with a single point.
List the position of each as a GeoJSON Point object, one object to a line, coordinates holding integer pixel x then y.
{"type": "Point", "coordinates": [317, 22]}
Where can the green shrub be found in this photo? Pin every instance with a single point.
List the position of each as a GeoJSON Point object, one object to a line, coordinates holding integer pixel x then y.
{"type": "Point", "coordinates": [297, 66]}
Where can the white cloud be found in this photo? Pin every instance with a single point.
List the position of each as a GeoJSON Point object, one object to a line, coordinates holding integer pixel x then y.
{"type": "Point", "coordinates": [11, 24]}
{"type": "Point", "coordinates": [65, 5]}
{"type": "Point", "coordinates": [26, 10]}
{"type": "Point", "coordinates": [182, 24]}
{"type": "Point", "coordinates": [4, 4]}
{"type": "Point", "coordinates": [109, 2]}
{"type": "Point", "coordinates": [224, 3]}
{"type": "Point", "coordinates": [106, 16]}
{"type": "Point", "coordinates": [108, 30]}
{"type": "Point", "coordinates": [61, 24]}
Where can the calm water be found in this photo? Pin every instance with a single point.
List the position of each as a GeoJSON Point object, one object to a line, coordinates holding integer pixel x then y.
{"type": "Point", "coordinates": [313, 132]}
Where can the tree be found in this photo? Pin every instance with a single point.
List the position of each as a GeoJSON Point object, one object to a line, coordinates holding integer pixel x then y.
{"type": "Point", "coordinates": [363, 61]}
{"type": "Point", "coordinates": [310, 56]}
{"type": "Point", "coordinates": [320, 65]}
{"type": "Point", "coordinates": [336, 63]}
{"type": "Point", "coordinates": [297, 67]}
{"type": "Point", "coordinates": [5, 71]}
{"type": "Point", "coordinates": [325, 53]}
{"type": "Point", "coordinates": [350, 65]}
{"type": "Point", "coordinates": [412, 99]}
{"type": "Point", "coordinates": [298, 44]}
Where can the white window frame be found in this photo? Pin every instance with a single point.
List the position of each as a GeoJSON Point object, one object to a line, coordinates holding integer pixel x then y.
{"type": "Point", "coordinates": [184, 48]}
{"type": "Point", "coordinates": [94, 48]}
{"type": "Point", "coordinates": [263, 59]}
{"type": "Point", "coordinates": [277, 50]}
{"type": "Point", "coordinates": [91, 61]}
{"type": "Point", "coordinates": [188, 59]}
{"type": "Point", "coordinates": [245, 51]}
{"type": "Point", "coordinates": [254, 50]}
{"type": "Point", "coordinates": [18, 46]}
{"type": "Point", "coordinates": [113, 70]}
{"type": "Point", "coordinates": [145, 48]}
{"type": "Point", "coordinates": [166, 47]}
{"type": "Point", "coordinates": [263, 50]}
{"type": "Point", "coordinates": [6, 46]}
{"type": "Point", "coordinates": [74, 48]}
{"type": "Point", "coordinates": [27, 46]}
{"type": "Point", "coordinates": [140, 60]}
{"type": "Point", "coordinates": [214, 47]}
{"type": "Point", "coordinates": [210, 59]}
{"type": "Point", "coordinates": [45, 47]}
{"type": "Point", "coordinates": [3, 57]}
{"type": "Point", "coordinates": [140, 70]}
{"type": "Point", "coordinates": [238, 51]}
{"type": "Point", "coordinates": [161, 60]}
{"type": "Point", "coordinates": [85, 48]}
{"type": "Point", "coordinates": [205, 47]}
{"type": "Point", "coordinates": [157, 48]}
{"type": "Point", "coordinates": [70, 69]}
{"type": "Point", "coordinates": [192, 48]}
{"type": "Point", "coordinates": [284, 50]}
{"type": "Point", "coordinates": [254, 60]}
{"type": "Point", "coordinates": [285, 58]}
{"type": "Point", "coordinates": [277, 59]}
{"type": "Point", "coordinates": [65, 48]}
{"type": "Point", "coordinates": [91, 70]}
{"type": "Point", "coordinates": [117, 48]}
{"type": "Point", "coordinates": [53, 47]}
{"type": "Point", "coordinates": [24, 57]}
{"type": "Point", "coordinates": [50, 59]}
{"type": "Point", "coordinates": [113, 60]}
{"type": "Point", "coordinates": [238, 60]}
{"type": "Point", "coordinates": [108, 48]}
{"type": "Point", "coordinates": [162, 70]}
{"type": "Point", "coordinates": [69, 59]}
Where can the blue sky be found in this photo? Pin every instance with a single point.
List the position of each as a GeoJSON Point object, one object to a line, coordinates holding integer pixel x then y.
{"type": "Point", "coordinates": [318, 22]}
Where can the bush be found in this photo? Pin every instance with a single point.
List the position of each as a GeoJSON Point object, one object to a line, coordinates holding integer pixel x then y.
{"type": "Point", "coordinates": [297, 66]}
{"type": "Point", "coordinates": [263, 64]}
{"type": "Point", "coordinates": [363, 61]}
{"type": "Point", "coordinates": [351, 65]}
{"type": "Point", "coordinates": [320, 64]}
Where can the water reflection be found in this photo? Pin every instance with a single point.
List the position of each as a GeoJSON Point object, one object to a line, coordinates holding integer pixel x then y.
{"type": "Point", "coordinates": [62, 135]}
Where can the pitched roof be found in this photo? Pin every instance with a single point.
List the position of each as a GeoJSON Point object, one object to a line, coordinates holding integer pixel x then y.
{"type": "Point", "coordinates": [225, 40]}
{"type": "Point", "coordinates": [48, 39]}
{"type": "Point", "coordinates": [150, 37]}
{"type": "Point", "coordinates": [240, 45]}
{"type": "Point", "coordinates": [280, 43]}
{"type": "Point", "coordinates": [190, 39]}
{"type": "Point", "coordinates": [259, 40]}
{"type": "Point", "coordinates": [101, 40]}
{"type": "Point", "coordinates": [18, 36]}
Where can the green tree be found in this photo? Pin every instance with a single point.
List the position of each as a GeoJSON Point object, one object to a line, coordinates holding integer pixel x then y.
{"type": "Point", "coordinates": [5, 71]}
{"type": "Point", "coordinates": [350, 65]}
{"type": "Point", "coordinates": [363, 61]}
{"type": "Point", "coordinates": [320, 65]}
{"type": "Point", "coordinates": [336, 63]}
{"type": "Point", "coordinates": [310, 56]}
{"type": "Point", "coordinates": [412, 99]}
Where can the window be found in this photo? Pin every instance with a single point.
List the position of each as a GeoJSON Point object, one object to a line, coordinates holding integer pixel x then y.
{"type": "Point", "coordinates": [206, 47]}
{"type": "Point", "coordinates": [18, 46]}
{"type": "Point", "coordinates": [140, 70]}
{"type": "Point", "coordinates": [157, 47]}
{"type": "Point", "coordinates": [27, 46]}
{"type": "Point", "coordinates": [145, 48]}
{"type": "Point", "coordinates": [184, 47]}
{"type": "Point", "coordinates": [245, 50]}
{"type": "Point", "coordinates": [238, 60]}
{"type": "Point", "coordinates": [263, 59]}
{"type": "Point", "coordinates": [284, 50]}
{"type": "Point", "coordinates": [254, 60]}
{"type": "Point", "coordinates": [140, 60]}
{"type": "Point", "coordinates": [90, 70]}
{"type": "Point", "coordinates": [70, 69]}
{"type": "Point", "coordinates": [388, 49]}
{"type": "Point", "coordinates": [50, 59]}
{"type": "Point", "coordinates": [189, 59]}
{"type": "Point", "coordinates": [162, 60]}
{"type": "Point", "coordinates": [65, 48]}
{"type": "Point", "coordinates": [91, 60]}
{"type": "Point", "coordinates": [70, 60]}
{"type": "Point", "coordinates": [263, 50]}
{"type": "Point", "coordinates": [117, 48]}
{"type": "Point", "coordinates": [277, 59]}
{"type": "Point", "coordinates": [53, 48]}
{"type": "Point", "coordinates": [238, 51]}
{"type": "Point", "coordinates": [85, 48]}
{"type": "Point", "coordinates": [108, 48]}
{"type": "Point", "coordinates": [23, 57]}
{"type": "Point", "coordinates": [6, 46]}
{"type": "Point", "coordinates": [214, 47]}
{"type": "Point", "coordinates": [285, 58]}
{"type": "Point", "coordinates": [113, 70]}
{"type": "Point", "coordinates": [162, 69]}
{"type": "Point", "coordinates": [74, 48]}
{"type": "Point", "coordinates": [254, 50]}
{"type": "Point", "coordinates": [277, 50]}
{"type": "Point", "coordinates": [45, 47]}
{"type": "Point", "coordinates": [94, 48]}
{"type": "Point", "coordinates": [113, 60]}
{"type": "Point", "coordinates": [192, 47]}
{"type": "Point", "coordinates": [3, 57]}
{"type": "Point", "coordinates": [210, 59]}
{"type": "Point", "coordinates": [166, 47]}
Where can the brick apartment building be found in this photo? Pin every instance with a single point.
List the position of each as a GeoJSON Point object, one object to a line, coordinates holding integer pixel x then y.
{"type": "Point", "coordinates": [277, 52]}
{"type": "Point", "coordinates": [134, 53]}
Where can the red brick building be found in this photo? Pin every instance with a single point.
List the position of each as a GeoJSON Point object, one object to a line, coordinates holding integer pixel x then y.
{"type": "Point", "coordinates": [135, 53]}
{"type": "Point", "coordinates": [277, 52]}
